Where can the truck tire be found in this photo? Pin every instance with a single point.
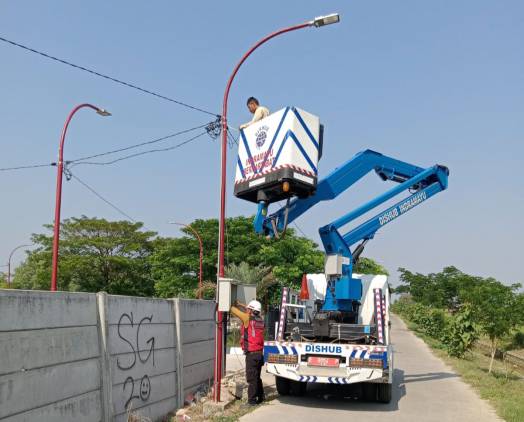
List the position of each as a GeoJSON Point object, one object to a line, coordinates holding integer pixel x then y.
{"type": "Point", "coordinates": [283, 385]}
{"type": "Point", "coordinates": [298, 388]}
{"type": "Point", "coordinates": [384, 393]}
{"type": "Point", "coordinates": [369, 391]}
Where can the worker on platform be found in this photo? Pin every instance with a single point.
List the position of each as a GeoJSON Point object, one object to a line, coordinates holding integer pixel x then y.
{"type": "Point", "coordinates": [252, 342]}
{"type": "Point", "coordinates": [258, 111]}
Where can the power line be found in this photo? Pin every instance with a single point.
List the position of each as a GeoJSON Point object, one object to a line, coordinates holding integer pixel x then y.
{"type": "Point", "coordinates": [34, 166]}
{"type": "Point", "coordinates": [94, 192]}
{"type": "Point", "coordinates": [299, 229]}
{"type": "Point", "coordinates": [126, 157]}
{"type": "Point", "coordinates": [232, 141]}
{"type": "Point", "coordinates": [294, 222]}
{"type": "Point", "coordinates": [118, 81]}
{"type": "Point", "coordinates": [156, 140]}
{"type": "Point", "coordinates": [163, 138]}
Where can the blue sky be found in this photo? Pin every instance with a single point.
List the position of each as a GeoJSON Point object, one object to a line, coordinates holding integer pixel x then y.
{"type": "Point", "coordinates": [425, 82]}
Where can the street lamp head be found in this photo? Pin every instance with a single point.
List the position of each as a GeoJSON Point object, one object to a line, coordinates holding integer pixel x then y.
{"type": "Point", "coordinates": [103, 112]}
{"type": "Point", "coordinates": [326, 20]}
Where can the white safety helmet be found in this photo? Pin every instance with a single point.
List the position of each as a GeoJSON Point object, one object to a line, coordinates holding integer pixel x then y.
{"type": "Point", "coordinates": [255, 305]}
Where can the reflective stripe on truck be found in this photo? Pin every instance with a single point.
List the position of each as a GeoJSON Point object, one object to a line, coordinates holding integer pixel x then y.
{"type": "Point", "coordinates": [351, 355]}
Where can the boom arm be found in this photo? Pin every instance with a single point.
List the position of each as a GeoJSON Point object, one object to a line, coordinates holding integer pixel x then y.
{"type": "Point", "coordinates": [423, 183]}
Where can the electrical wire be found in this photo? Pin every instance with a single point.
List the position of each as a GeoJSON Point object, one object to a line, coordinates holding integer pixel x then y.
{"type": "Point", "coordinates": [94, 192]}
{"type": "Point", "coordinates": [34, 166]}
{"type": "Point", "coordinates": [299, 229]}
{"type": "Point", "coordinates": [81, 160]}
{"type": "Point", "coordinates": [110, 78]}
{"type": "Point", "coordinates": [153, 141]}
{"type": "Point", "coordinates": [232, 141]}
{"type": "Point", "coordinates": [295, 224]}
{"type": "Point", "coordinates": [126, 157]}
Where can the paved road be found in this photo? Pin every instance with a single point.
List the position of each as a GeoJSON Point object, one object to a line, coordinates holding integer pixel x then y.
{"type": "Point", "coordinates": [424, 390]}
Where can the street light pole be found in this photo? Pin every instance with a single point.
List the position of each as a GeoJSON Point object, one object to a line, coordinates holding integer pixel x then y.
{"type": "Point", "coordinates": [317, 22]}
{"type": "Point", "coordinates": [9, 263]}
{"type": "Point", "coordinates": [58, 202]}
{"type": "Point", "coordinates": [201, 254]}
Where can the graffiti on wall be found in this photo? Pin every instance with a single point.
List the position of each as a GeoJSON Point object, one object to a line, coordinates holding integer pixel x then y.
{"type": "Point", "coordinates": [141, 352]}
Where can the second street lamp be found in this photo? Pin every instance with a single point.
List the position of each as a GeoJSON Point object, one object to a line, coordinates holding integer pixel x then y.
{"type": "Point", "coordinates": [317, 22]}
{"type": "Point", "coordinates": [188, 226]}
{"type": "Point", "coordinates": [9, 263]}
{"type": "Point", "coordinates": [58, 202]}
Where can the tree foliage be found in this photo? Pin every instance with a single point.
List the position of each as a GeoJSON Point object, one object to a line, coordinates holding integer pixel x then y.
{"type": "Point", "coordinates": [369, 266]}
{"type": "Point", "coordinates": [94, 255]}
{"type": "Point", "coordinates": [460, 333]}
{"type": "Point", "coordinates": [121, 257]}
{"type": "Point", "coordinates": [474, 305]}
{"type": "Point", "coordinates": [260, 276]}
{"type": "Point", "coordinates": [496, 307]}
{"type": "Point", "coordinates": [175, 260]}
{"type": "Point", "coordinates": [445, 289]}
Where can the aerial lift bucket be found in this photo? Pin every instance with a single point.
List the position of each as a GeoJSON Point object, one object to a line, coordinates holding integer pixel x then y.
{"type": "Point", "coordinates": [278, 157]}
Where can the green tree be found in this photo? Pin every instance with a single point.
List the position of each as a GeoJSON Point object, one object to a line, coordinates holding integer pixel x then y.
{"type": "Point", "coordinates": [496, 309]}
{"type": "Point", "coordinates": [175, 260]}
{"type": "Point", "coordinates": [291, 257]}
{"type": "Point", "coordinates": [3, 281]}
{"type": "Point", "coordinates": [261, 276]}
{"type": "Point", "coordinates": [445, 289]}
{"type": "Point", "coordinates": [95, 255]}
{"type": "Point", "coordinates": [369, 266]}
{"type": "Point", "coordinates": [460, 333]}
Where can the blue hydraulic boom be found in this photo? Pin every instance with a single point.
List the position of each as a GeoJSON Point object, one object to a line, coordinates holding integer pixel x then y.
{"type": "Point", "coordinates": [345, 292]}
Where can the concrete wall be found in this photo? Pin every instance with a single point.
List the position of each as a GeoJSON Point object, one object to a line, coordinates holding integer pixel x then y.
{"type": "Point", "coordinates": [49, 357]}
{"type": "Point", "coordinates": [88, 357]}
{"type": "Point", "coordinates": [197, 331]}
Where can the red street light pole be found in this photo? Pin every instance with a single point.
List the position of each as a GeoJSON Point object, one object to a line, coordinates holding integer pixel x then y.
{"type": "Point", "coordinates": [9, 263]}
{"type": "Point", "coordinates": [201, 254]}
{"type": "Point", "coordinates": [317, 22]}
{"type": "Point", "coordinates": [58, 203]}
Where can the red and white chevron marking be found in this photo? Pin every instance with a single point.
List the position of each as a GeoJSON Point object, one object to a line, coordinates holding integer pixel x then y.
{"type": "Point", "coordinates": [380, 322]}
{"type": "Point", "coordinates": [283, 311]}
{"type": "Point", "coordinates": [383, 298]}
{"type": "Point", "coordinates": [265, 172]}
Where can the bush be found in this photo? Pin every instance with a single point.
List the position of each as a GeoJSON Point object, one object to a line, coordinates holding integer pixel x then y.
{"type": "Point", "coordinates": [404, 307]}
{"type": "Point", "coordinates": [518, 340]}
{"type": "Point", "coordinates": [457, 332]}
{"type": "Point", "coordinates": [460, 333]}
{"type": "Point", "coordinates": [433, 322]}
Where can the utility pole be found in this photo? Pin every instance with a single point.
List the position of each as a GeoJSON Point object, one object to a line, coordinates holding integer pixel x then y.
{"type": "Point", "coordinates": [317, 22]}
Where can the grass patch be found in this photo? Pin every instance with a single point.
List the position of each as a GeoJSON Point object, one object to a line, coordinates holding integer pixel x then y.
{"type": "Point", "coordinates": [504, 388]}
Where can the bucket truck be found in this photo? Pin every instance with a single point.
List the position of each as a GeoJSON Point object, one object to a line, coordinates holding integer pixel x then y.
{"type": "Point", "coordinates": [340, 335]}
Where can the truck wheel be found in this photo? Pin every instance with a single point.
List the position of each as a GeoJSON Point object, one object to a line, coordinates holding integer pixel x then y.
{"type": "Point", "coordinates": [298, 388]}
{"type": "Point", "coordinates": [283, 385]}
{"type": "Point", "coordinates": [369, 391]}
{"type": "Point", "coordinates": [384, 393]}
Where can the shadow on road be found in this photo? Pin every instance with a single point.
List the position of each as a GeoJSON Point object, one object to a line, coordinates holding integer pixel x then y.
{"type": "Point", "coordinates": [347, 397]}
{"type": "Point", "coordinates": [431, 376]}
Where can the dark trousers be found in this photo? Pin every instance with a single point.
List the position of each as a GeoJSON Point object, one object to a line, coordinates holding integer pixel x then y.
{"type": "Point", "coordinates": [255, 389]}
